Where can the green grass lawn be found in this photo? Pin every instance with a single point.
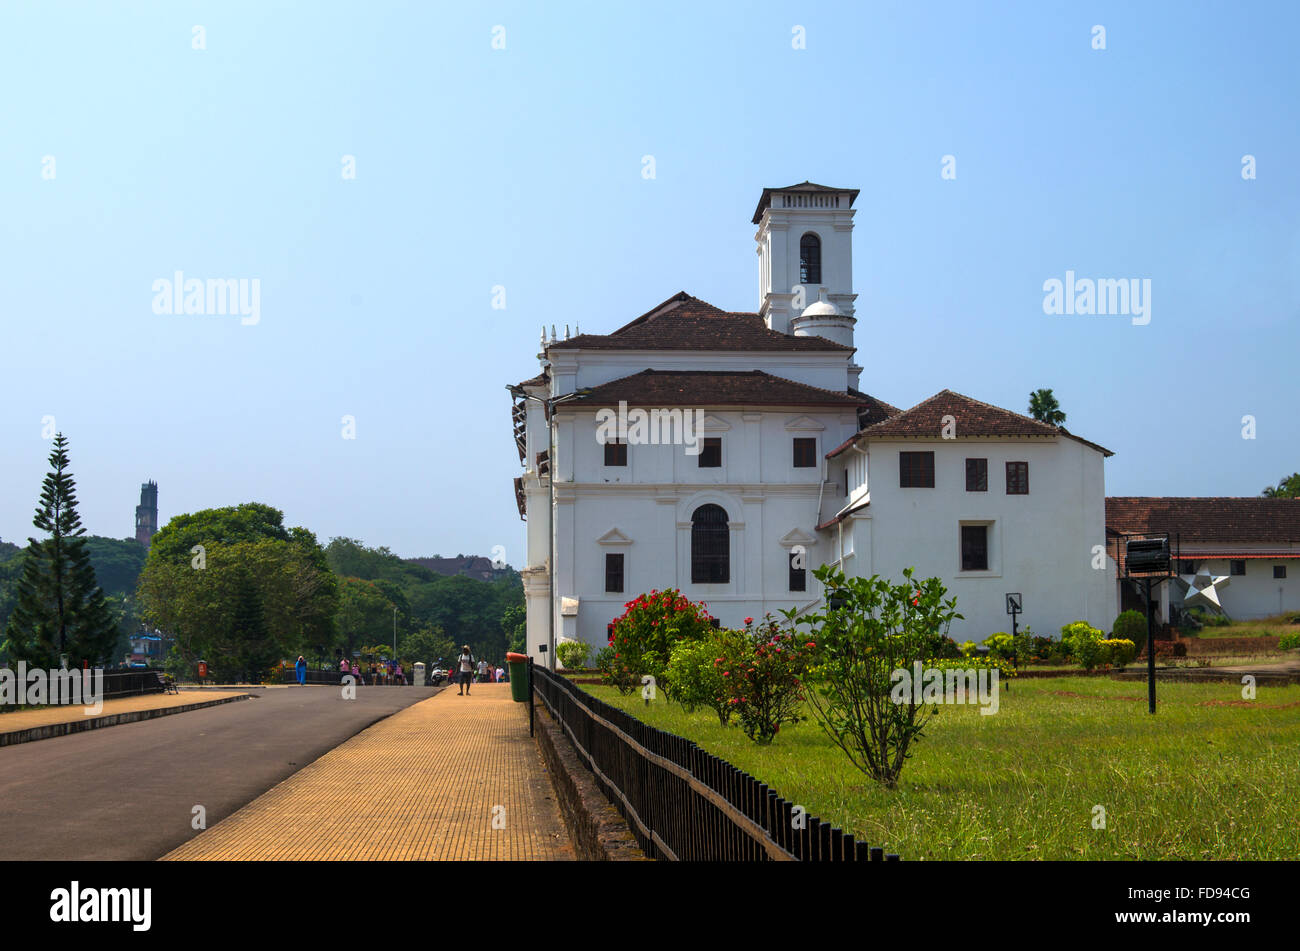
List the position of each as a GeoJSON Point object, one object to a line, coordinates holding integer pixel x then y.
{"type": "Point", "coordinates": [1263, 627]}
{"type": "Point", "coordinates": [1205, 778]}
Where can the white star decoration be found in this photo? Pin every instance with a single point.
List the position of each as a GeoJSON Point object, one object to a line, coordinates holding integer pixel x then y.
{"type": "Point", "coordinates": [1203, 588]}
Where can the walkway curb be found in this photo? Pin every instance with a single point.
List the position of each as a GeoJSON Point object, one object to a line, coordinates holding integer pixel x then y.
{"type": "Point", "coordinates": [598, 832]}
{"type": "Point", "coordinates": [68, 727]}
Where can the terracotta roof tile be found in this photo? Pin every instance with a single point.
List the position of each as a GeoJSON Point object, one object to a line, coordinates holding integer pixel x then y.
{"type": "Point", "coordinates": [1207, 519]}
{"type": "Point", "coordinates": [973, 419]}
{"type": "Point", "coordinates": [684, 322]}
{"type": "Point", "coordinates": [668, 388]}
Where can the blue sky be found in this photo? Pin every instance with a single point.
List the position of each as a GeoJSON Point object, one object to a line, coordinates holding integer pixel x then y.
{"type": "Point", "coordinates": [521, 167]}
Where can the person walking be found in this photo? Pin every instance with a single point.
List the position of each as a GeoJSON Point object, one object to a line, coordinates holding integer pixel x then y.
{"type": "Point", "coordinates": [465, 669]}
{"type": "Point", "coordinates": [301, 669]}
{"type": "Point", "coordinates": [482, 671]}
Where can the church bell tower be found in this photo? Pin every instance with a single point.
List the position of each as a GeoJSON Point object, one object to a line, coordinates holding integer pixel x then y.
{"type": "Point", "coordinates": [805, 255]}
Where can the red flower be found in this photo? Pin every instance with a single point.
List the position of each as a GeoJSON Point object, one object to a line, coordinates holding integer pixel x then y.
{"type": "Point", "coordinates": [749, 620]}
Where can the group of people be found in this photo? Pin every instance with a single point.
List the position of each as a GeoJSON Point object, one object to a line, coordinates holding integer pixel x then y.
{"type": "Point", "coordinates": [379, 672]}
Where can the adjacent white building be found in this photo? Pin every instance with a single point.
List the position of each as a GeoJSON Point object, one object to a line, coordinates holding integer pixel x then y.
{"type": "Point", "coordinates": [1249, 548]}
{"type": "Point", "coordinates": [728, 454]}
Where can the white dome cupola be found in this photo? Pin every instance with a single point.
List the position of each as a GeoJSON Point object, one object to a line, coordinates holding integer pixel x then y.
{"type": "Point", "coordinates": [823, 319]}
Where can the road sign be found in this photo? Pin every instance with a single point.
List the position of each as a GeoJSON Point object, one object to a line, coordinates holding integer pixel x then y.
{"type": "Point", "coordinates": [1015, 603]}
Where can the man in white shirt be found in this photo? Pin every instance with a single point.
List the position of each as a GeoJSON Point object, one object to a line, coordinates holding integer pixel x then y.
{"type": "Point", "coordinates": [465, 670]}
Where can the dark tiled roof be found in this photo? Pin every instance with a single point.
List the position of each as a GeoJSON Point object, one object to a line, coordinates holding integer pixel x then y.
{"type": "Point", "coordinates": [766, 198]}
{"type": "Point", "coordinates": [1207, 519]}
{"type": "Point", "coordinates": [875, 410]}
{"type": "Point", "coordinates": [668, 388]}
{"type": "Point", "coordinates": [973, 419]}
{"type": "Point", "coordinates": [684, 322]}
{"type": "Point", "coordinates": [538, 380]}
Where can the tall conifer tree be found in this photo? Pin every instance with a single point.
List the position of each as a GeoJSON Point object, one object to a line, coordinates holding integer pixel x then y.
{"type": "Point", "coordinates": [60, 608]}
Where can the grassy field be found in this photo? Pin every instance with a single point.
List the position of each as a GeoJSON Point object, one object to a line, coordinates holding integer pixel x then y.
{"type": "Point", "coordinates": [1263, 627]}
{"type": "Point", "coordinates": [1208, 777]}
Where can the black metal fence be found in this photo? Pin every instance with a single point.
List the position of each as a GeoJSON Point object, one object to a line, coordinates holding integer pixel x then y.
{"type": "Point", "coordinates": [682, 802]}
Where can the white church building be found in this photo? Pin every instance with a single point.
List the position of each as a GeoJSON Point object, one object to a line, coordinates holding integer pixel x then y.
{"type": "Point", "coordinates": [728, 454]}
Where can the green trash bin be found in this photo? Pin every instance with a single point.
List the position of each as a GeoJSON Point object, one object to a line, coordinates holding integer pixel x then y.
{"type": "Point", "coordinates": [518, 664]}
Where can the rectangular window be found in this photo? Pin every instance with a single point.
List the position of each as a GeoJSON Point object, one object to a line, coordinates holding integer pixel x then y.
{"type": "Point", "coordinates": [1017, 478]}
{"type": "Point", "coordinates": [615, 453]}
{"type": "Point", "coordinates": [974, 548]}
{"type": "Point", "coordinates": [614, 572]}
{"type": "Point", "coordinates": [977, 475]}
{"type": "Point", "coordinates": [711, 455]}
{"type": "Point", "coordinates": [805, 453]}
{"type": "Point", "coordinates": [1237, 567]}
{"type": "Point", "coordinates": [1279, 571]}
{"type": "Point", "coordinates": [846, 480]}
{"type": "Point", "coordinates": [798, 576]}
{"type": "Point", "coordinates": [916, 470]}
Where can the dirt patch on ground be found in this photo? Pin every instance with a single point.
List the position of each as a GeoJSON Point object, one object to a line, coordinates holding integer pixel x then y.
{"type": "Point", "coordinates": [1248, 703]}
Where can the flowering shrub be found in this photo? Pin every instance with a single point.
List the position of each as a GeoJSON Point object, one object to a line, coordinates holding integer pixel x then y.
{"type": "Point", "coordinates": [764, 678]}
{"type": "Point", "coordinates": [696, 671]}
{"type": "Point", "coordinates": [614, 671]}
{"type": "Point", "coordinates": [646, 633]}
{"type": "Point", "coordinates": [1000, 645]}
{"type": "Point", "coordinates": [1289, 641]}
{"type": "Point", "coordinates": [870, 629]}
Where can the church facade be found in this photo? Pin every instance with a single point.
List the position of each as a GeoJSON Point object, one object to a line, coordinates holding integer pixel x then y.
{"type": "Point", "coordinates": [729, 454]}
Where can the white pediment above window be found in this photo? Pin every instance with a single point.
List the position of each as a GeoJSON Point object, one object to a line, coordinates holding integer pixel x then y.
{"type": "Point", "coordinates": [613, 537]}
{"type": "Point", "coordinates": [796, 537]}
{"type": "Point", "coordinates": [804, 424]}
{"type": "Point", "coordinates": [712, 424]}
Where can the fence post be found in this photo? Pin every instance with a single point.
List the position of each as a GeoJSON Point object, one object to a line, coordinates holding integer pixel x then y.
{"type": "Point", "coordinates": [530, 694]}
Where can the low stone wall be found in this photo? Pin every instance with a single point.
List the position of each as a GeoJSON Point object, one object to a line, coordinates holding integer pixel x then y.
{"type": "Point", "coordinates": [1228, 646]}
{"type": "Point", "coordinates": [598, 832]}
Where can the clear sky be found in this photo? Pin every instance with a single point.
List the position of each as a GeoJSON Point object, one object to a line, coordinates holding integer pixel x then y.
{"type": "Point", "coordinates": [522, 167]}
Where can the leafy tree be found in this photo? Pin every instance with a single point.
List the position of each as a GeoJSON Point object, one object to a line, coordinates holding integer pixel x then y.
{"type": "Point", "coordinates": [364, 614]}
{"type": "Point", "coordinates": [59, 607]}
{"type": "Point", "coordinates": [515, 623]}
{"type": "Point", "coordinates": [1288, 488]}
{"type": "Point", "coordinates": [870, 629]}
{"type": "Point", "coordinates": [429, 645]}
{"type": "Point", "coordinates": [1044, 408]}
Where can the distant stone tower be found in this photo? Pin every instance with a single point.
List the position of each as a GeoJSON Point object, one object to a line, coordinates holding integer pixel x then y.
{"type": "Point", "coordinates": [146, 513]}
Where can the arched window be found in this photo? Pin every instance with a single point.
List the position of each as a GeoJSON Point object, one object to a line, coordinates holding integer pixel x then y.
{"type": "Point", "coordinates": [710, 546]}
{"type": "Point", "coordinates": [810, 259]}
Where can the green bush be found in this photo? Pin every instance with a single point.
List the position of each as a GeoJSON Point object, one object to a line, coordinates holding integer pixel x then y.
{"type": "Point", "coordinates": [1083, 641]}
{"type": "Point", "coordinates": [695, 671]}
{"type": "Point", "coordinates": [1000, 645]}
{"type": "Point", "coordinates": [573, 654]}
{"type": "Point", "coordinates": [1003, 666]}
{"type": "Point", "coordinates": [967, 648]}
{"type": "Point", "coordinates": [1118, 651]}
{"type": "Point", "coordinates": [1289, 641]}
{"type": "Point", "coordinates": [875, 628]}
{"type": "Point", "coordinates": [614, 671]}
{"type": "Point", "coordinates": [1130, 625]}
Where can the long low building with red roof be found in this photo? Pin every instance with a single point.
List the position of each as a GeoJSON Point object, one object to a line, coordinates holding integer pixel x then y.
{"type": "Point", "coordinates": [1250, 548]}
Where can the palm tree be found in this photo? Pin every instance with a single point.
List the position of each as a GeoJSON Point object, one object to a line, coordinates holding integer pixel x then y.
{"type": "Point", "coordinates": [1044, 408]}
{"type": "Point", "coordinates": [1288, 488]}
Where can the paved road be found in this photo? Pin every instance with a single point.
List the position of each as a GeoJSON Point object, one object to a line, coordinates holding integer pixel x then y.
{"type": "Point", "coordinates": [127, 792]}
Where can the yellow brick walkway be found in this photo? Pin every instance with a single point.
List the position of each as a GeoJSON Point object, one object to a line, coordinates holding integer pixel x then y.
{"type": "Point", "coordinates": [45, 716]}
{"type": "Point", "coordinates": [425, 783]}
